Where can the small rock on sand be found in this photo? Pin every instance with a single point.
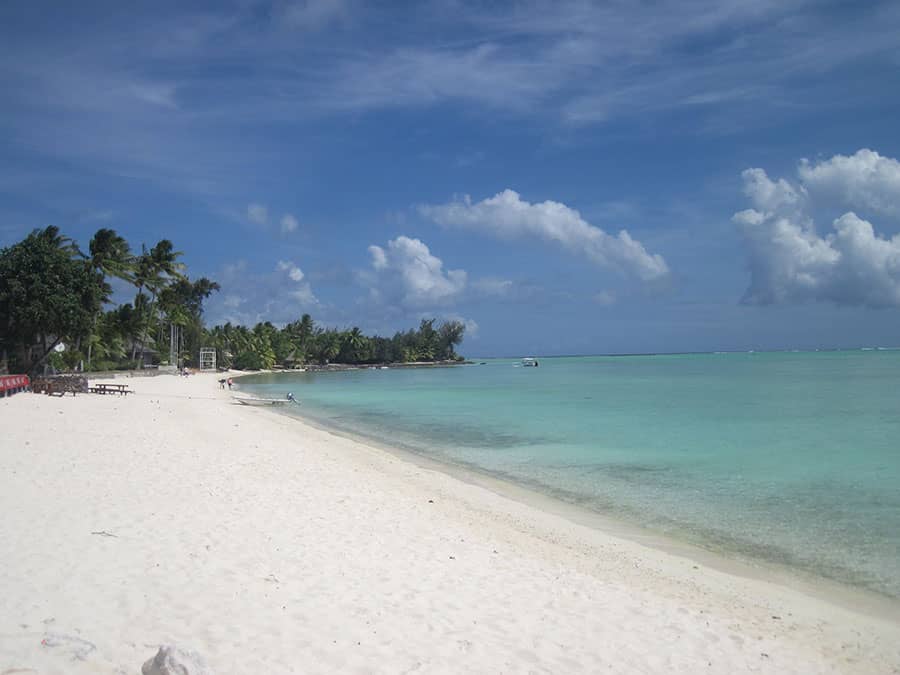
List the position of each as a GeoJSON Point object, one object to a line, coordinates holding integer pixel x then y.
{"type": "Point", "coordinates": [171, 660]}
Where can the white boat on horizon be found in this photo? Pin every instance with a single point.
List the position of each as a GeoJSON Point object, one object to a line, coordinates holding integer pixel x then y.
{"type": "Point", "coordinates": [530, 362]}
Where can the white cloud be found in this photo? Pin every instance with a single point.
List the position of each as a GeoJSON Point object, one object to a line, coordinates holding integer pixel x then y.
{"type": "Point", "coordinates": [279, 296]}
{"type": "Point", "coordinates": [258, 214]}
{"type": "Point", "coordinates": [289, 223]}
{"type": "Point", "coordinates": [768, 195]}
{"type": "Point", "coordinates": [294, 273]}
{"type": "Point", "coordinates": [304, 295]}
{"type": "Point", "coordinates": [507, 216]}
{"type": "Point", "coordinates": [790, 262]}
{"type": "Point", "coordinates": [379, 257]}
{"type": "Point", "coordinates": [864, 180]}
{"type": "Point", "coordinates": [408, 271]}
{"type": "Point", "coordinates": [493, 286]}
{"type": "Point", "coordinates": [79, 96]}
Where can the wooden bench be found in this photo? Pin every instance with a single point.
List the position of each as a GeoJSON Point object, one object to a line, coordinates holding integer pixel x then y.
{"type": "Point", "coordinates": [110, 389]}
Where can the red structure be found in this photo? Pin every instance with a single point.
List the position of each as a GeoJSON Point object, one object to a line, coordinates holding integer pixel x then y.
{"type": "Point", "coordinates": [12, 384]}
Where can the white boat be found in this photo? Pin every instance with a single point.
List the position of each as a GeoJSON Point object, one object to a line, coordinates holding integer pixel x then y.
{"type": "Point", "coordinates": [252, 400]}
{"type": "Point", "coordinates": [530, 362]}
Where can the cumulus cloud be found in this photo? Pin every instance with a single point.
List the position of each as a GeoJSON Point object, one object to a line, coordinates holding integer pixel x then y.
{"type": "Point", "coordinates": [279, 295]}
{"type": "Point", "coordinates": [791, 262]}
{"type": "Point", "coordinates": [294, 273]}
{"type": "Point", "coordinates": [865, 180]}
{"type": "Point", "coordinates": [408, 271]}
{"type": "Point", "coordinates": [507, 216]}
{"type": "Point", "coordinates": [289, 223]}
{"type": "Point", "coordinates": [258, 214]}
{"type": "Point", "coordinates": [768, 195]}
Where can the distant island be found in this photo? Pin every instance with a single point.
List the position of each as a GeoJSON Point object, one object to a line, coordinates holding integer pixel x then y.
{"type": "Point", "coordinates": [58, 315]}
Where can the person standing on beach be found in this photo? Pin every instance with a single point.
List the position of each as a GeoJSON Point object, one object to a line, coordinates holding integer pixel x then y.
{"type": "Point", "coordinates": [230, 382]}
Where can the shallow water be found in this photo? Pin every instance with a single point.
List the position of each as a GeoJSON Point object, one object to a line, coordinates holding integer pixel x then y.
{"type": "Point", "coordinates": [792, 458]}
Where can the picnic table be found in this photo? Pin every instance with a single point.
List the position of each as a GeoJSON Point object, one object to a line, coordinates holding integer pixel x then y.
{"type": "Point", "coordinates": [110, 389]}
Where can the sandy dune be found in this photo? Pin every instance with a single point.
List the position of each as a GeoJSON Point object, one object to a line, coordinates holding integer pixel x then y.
{"type": "Point", "coordinates": [269, 546]}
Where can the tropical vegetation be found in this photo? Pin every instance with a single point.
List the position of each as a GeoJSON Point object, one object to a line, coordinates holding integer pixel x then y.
{"type": "Point", "coordinates": [57, 312]}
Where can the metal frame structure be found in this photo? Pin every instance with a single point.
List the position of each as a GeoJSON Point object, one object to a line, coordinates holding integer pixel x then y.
{"type": "Point", "coordinates": [207, 358]}
{"type": "Point", "coordinates": [174, 345]}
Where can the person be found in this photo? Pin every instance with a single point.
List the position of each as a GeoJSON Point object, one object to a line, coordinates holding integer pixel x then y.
{"type": "Point", "coordinates": [222, 383]}
{"type": "Point", "coordinates": [290, 396]}
{"type": "Point", "coordinates": [230, 382]}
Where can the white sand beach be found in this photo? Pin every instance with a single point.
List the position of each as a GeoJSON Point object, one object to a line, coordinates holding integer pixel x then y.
{"type": "Point", "coordinates": [173, 516]}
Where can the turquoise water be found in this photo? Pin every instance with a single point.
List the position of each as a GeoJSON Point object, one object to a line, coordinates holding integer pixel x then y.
{"type": "Point", "coordinates": [792, 458]}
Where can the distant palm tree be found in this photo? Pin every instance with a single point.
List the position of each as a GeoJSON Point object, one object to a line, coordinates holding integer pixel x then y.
{"type": "Point", "coordinates": [330, 345]}
{"type": "Point", "coordinates": [356, 344]}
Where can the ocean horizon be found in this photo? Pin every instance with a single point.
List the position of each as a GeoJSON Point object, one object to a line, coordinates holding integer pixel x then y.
{"type": "Point", "coordinates": [784, 457]}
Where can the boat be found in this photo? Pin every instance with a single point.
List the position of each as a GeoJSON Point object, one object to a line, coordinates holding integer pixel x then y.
{"type": "Point", "coordinates": [530, 362]}
{"type": "Point", "coordinates": [253, 400]}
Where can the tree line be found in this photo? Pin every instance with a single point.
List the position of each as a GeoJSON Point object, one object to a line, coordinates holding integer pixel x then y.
{"type": "Point", "coordinates": [56, 312]}
{"type": "Point", "coordinates": [303, 342]}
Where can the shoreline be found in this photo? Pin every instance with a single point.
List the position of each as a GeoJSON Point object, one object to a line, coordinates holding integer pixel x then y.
{"type": "Point", "coordinates": [826, 589]}
{"type": "Point", "coordinates": [267, 545]}
{"type": "Point", "coordinates": [800, 579]}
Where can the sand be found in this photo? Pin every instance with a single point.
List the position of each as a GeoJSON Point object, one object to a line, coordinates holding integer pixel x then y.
{"type": "Point", "coordinates": [265, 545]}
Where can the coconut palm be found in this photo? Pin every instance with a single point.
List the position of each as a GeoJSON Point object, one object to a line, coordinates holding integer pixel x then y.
{"type": "Point", "coordinates": [355, 345]}
{"type": "Point", "coordinates": [155, 269]}
{"type": "Point", "coordinates": [109, 256]}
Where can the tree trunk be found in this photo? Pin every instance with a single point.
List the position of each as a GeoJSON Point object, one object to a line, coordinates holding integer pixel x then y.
{"type": "Point", "coordinates": [47, 350]}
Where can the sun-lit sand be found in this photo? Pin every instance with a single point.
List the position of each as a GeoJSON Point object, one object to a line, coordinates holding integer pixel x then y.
{"type": "Point", "coordinates": [265, 545]}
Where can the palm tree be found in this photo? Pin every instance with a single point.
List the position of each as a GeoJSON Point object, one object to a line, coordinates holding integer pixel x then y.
{"type": "Point", "coordinates": [329, 345]}
{"type": "Point", "coordinates": [356, 345]}
{"type": "Point", "coordinates": [155, 269]}
{"type": "Point", "coordinates": [109, 256]}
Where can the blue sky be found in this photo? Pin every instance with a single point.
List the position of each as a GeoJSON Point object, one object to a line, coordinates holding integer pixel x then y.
{"type": "Point", "coordinates": [566, 177]}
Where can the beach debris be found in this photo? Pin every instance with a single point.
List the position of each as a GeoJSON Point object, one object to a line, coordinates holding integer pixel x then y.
{"type": "Point", "coordinates": [172, 660]}
{"type": "Point", "coordinates": [104, 533]}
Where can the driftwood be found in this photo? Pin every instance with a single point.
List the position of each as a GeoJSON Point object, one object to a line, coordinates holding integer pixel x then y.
{"type": "Point", "coordinates": [59, 385]}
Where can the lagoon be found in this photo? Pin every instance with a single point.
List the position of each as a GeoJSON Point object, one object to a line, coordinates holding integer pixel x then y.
{"type": "Point", "coordinates": [787, 458]}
